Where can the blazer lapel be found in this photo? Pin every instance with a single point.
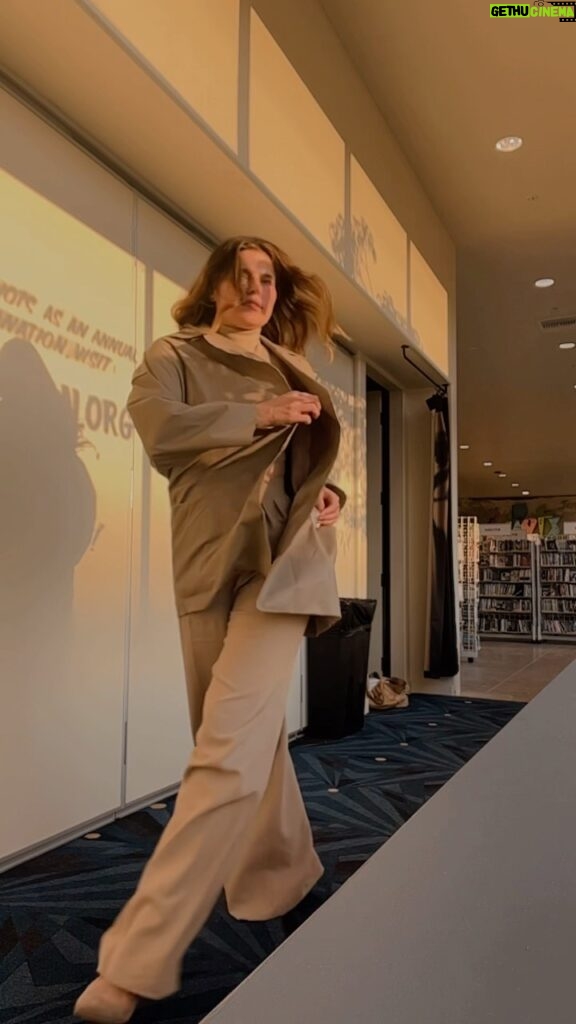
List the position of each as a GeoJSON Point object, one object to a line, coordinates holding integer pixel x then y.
{"type": "Point", "coordinates": [297, 364]}
{"type": "Point", "coordinates": [301, 368]}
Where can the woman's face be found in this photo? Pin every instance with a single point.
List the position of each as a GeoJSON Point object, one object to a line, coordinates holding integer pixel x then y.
{"type": "Point", "coordinates": [251, 306]}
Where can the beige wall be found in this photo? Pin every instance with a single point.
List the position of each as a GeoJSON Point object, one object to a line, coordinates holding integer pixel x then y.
{"type": "Point", "coordinates": [429, 312]}
{"type": "Point", "coordinates": [293, 147]}
{"type": "Point", "coordinates": [345, 376]}
{"type": "Point", "coordinates": [379, 246]}
{"type": "Point", "coordinates": [192, 45]}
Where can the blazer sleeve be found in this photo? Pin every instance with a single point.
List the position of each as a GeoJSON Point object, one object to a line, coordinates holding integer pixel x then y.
{"type": "Point", "coordinates": [170, 429]}
{"type": "Point", "coordinates": [338, 490]}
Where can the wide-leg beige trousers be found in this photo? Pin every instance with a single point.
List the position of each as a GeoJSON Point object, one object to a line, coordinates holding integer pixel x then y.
{"type": "Point", "coordinates": [239, 821]}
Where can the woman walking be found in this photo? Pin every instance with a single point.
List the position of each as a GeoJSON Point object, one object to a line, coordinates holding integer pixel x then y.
{"type": "Point", "coordinates": [229, 410]}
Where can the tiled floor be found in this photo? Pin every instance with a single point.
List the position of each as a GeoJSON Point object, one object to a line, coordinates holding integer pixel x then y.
{"type": "Point", "coordinates": [514, 671]}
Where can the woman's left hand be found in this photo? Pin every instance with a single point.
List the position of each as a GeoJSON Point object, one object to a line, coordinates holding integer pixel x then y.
{"type": "Point", "coordinates": [328, 507]}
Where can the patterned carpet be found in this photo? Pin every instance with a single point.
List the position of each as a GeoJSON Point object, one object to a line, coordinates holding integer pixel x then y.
{"type": "Point", "coordinates": [358, 791]}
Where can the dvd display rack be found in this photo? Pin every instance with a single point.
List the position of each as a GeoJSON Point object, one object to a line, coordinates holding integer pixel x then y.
{"type": "Point", "coordinates": [508, 605]}
{"type": "Point", "coordinates": [468, 556]}
{"type": "Point", "coordinates": [558, 588]}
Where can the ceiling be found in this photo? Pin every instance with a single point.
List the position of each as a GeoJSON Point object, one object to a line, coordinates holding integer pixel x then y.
{"type": "Point", "coordinates": [450, 81]}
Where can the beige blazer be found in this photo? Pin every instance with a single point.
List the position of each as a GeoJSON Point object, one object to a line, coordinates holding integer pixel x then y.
{"type": "Point", "coordinates": [193, 403]}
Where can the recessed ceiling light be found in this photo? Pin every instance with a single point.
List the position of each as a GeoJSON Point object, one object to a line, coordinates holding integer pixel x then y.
{"type": "Point", "coordinates": [508, 144]}
{"type": "Point", "coordinates": [501, 475]}
{"type": "Point", "coordinates": [515, 485]}
{"type": "Point", "coordinates": [491, 463]}
{"type": "Point", "coordinates": [525, 493]}
{"type": "Point", "coordinates": [464, 447]}
{"type": "Point", "coordinates": [567, 344]}
{"type": "Point", "coordinates": [544, 282]}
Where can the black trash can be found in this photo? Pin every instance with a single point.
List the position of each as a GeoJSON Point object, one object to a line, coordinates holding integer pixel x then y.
{"type": "Point", "coordinates": [337, 671]}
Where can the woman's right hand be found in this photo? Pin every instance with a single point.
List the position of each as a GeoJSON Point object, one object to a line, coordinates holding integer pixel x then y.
{"type": "Point", "coordinates": [285, 410]}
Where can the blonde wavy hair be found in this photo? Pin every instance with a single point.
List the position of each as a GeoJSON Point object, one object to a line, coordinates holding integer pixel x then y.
{"type": "Point", "coordinates": [303, 307]}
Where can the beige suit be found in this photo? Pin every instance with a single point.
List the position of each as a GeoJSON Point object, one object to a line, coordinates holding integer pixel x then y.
{"type": "Point", "coordinates": [193, 403]}
{"type": "Point", "coordinates": [250, 578]}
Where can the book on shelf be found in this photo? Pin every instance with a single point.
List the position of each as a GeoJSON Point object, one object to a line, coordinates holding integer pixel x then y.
{"type": "Point", "coordinates": [507, 605]}
{"type": "Point", "coordinates": [558, 587]}
{"type": "Point", "coordinates": [501, 625]}
{"type": "Point", "coordinates": [528, 588]}
{"type": "Point", "coordinates": [468, 554]}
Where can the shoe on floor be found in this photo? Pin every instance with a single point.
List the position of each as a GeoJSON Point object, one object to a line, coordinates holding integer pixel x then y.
{"type": "Point", "coordinates": [103, 1003]}
{"type": "Point", "coordinates": [296, 917]}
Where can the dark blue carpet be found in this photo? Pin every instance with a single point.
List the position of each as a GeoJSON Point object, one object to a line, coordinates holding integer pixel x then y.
{"type": "Point", "coordinates": [54, 909]}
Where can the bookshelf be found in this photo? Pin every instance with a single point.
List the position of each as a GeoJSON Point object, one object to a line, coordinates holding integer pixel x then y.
{"type": "Point", "coordinates": [468, 557]}
{"type": "Point", "coordinates": [558, 588]}
{"type": "Point", "coordinates": [508, 601]}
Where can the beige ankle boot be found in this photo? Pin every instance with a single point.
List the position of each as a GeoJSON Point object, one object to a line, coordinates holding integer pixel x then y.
{"type": "Point", "coordinates": [103, 1003]}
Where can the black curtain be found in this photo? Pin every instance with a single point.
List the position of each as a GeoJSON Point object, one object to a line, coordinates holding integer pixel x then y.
{"type": "Point", "coordinates": [442, 638]}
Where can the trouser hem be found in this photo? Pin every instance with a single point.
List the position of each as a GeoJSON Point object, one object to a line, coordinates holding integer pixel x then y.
{"type": "Point", "coordinates": [140, 991]}
{"type": "Point", "coordinates": [279, 909]}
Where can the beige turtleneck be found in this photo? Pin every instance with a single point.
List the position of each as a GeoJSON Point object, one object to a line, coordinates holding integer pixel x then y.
{"type": "Point", "coordinates": [247, 341]}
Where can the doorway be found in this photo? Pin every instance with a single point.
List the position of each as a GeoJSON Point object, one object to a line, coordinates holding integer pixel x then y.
{"type": "Point", "coordinates": [378, 521]}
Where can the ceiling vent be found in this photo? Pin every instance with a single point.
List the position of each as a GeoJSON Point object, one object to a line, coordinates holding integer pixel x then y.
{"type": "Point", "coordinates": [558, 323]}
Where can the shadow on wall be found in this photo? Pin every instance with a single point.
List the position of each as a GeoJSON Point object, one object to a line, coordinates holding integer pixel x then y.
{"type": "Point", "coordinates": [355, 250]}
{"type": "Point", "coordinates": [47, 512]}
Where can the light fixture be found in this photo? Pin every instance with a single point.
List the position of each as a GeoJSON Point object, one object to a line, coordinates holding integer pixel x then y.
{"type": "Point", "coordinates": [464, 447]}
{"type": "Point", "coordinates": [491, 463]}
{"type": "Point", "coordinates": [544, 282]}
{"type": "Point", "coordinates": [509, 143]}
{"type": "Point", "coordinates": [525, 493]}
{"type": "Point", "coordinates": [501, 475]}
{"type": "Point", "coordinates": [515, 485]}
{"type": "Point", "coordinates": [567, 344]}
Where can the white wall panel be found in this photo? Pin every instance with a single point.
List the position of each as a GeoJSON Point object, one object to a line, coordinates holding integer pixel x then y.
{"type": "Point", "coordinates": [67, 278]}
